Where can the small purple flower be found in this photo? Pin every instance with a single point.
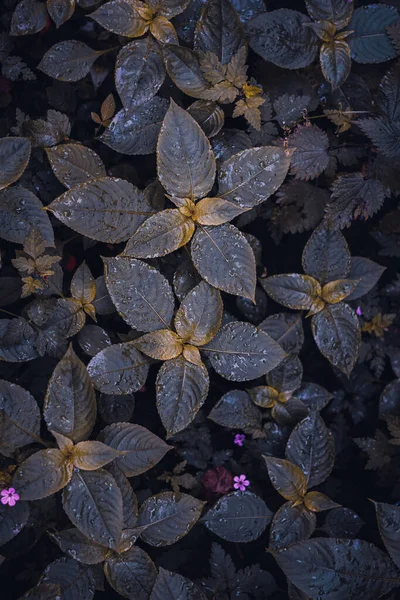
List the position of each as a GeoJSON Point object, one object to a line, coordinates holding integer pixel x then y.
{"type": "Point", "coordinates": [9, 497]}
{"type": "Point", "coordinates": [241, 483]}
{"type": "Point", "coordinates": [239, 439]}
{"type": "Point", "coordinates": [359, 311]}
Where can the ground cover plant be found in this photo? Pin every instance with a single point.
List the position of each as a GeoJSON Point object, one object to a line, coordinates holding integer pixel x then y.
{"type": "Point", "coordinates": [199, 299]}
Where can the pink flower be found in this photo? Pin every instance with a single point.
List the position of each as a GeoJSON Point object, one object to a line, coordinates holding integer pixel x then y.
{"type": "Point", "coordinates": [9, 497]}
{"type": "Point", "coordinates": [241, 483]}
{"type": "Point", "coordinates": [239, 439]}
{"type": "Point", "coordinates": [359, 311]}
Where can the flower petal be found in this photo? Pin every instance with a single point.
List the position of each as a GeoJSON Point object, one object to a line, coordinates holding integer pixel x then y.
{"type": "Point", "coordinates": [4, 500]}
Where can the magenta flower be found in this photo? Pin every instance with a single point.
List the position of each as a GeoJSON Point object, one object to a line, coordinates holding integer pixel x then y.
{"type": "Point", "coordinates": [359, 311]}
{"type": "Point", "coordinates": [9, 497]}
{"type": "Point", "coordinates": [239, 439]}
{"type": "Point", "coordinates": [241, 483]}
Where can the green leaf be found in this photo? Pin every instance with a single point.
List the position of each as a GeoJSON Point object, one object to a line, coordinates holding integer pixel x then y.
{"type": "Point", "coordinates": [289, 413]}
{"type": "Point", "coordinates": [286, 329]}
{"type": "Point", "coordinates": [136, 131]}
{"type": "Point", "coordinates": [336, 332]}
{"type": "Point", "coordinates": [326, 255]}
{"type": "Point", "coordinates": [14, 157]}
{"type": "Point", "coordinates": [43, 591]}
{"type": "Point", "coordinates": [73, 164]}
{"type": "Point", "coordinates": [19, 417]}
{"type": "Point", "coordinates": [20, 211]}
{"type": "Point", "coordinates": [370, 42]}
{"type": "Point", "coordinates": [12, 520]}
{"type": "Point", "coordinates": [69, 61]}
{"type": "Point", "coordinates": [107, 209]}
{"type": "Point", "coordinates": [335, 62]}
{"type": "Point", "coordinates": [183, 67]}
{"type": "Point", "coordinates": [338, 12]}
{"type": "Point", "coordinates": [288, 479]}
{"type": "Point", "coordinates": [241, 352]}
{"type": "Point", "coordinates": [310, 157]}
{"type": "Point", "coordinates": [182, 389]}
{"type": "Point", "coordinates": [79, 547]}
{"type": "Point", "coordinates": [185, 161]}
{"type": "Point", "coordinates": [17, 340]}
{"type": "Point", "coordinates": [132, 574]}
{"type": "Point", "coordinates": [161, 234]}
{"type": "Point", "coordinates": [287, 376]}
{"type": "Point", "coordinates": [384, 135]}
{"type": "Point", "coordinates": [199, 316]}
{"type": "Point", "coordinates": [168, 517]}
{"type": "Point", "coordinates": [208, 115]}
{"type": "Point", "coordinates": [28, 17]}
{"type": "Point", "coordinates": [280, 37]}
{"type": "Point", "coordinates": [388, 517]}
{"type": "Point", "coordinates": [143, 448]}
{"type": "Point", "coordinates": [252, 176]}
{"type": "Point", "coordinates": [219, 30]}
{"type": "Point", "coordinates": [171, 586]}
{"type": "Point", "coordinates": [338, 568]}
{"type": "Point", "coordinates": [70, 402]}
{"type": "Point", "coordinates": [129, 499]}
{"type": "Point", "coordinates": [118, 369]}
{"type": "Point", "coordinates": [74, 580]}
{"type": "Point", "coordinates": [121, 17]}
{"type": "Point", "coordinates": [142, 296]}
{"type": "Point", "coordinates": [290, 525]}
{"type": "Point", "coordinates": [93, 503]}
{"type": "Point", "coordinates": [238, 517]}
{"type": "Point", "coordinates": [312, 448]}
{"type": "Point", "coordinates": [235, 410]}
{"type": "Point", "coordinates": [314, 396]}
{"type": "Point", "coordinates": [60, 10]}
{"type": "Point", "coordinates": [42, 474]}
{"type": "Point", "coordinates": [224, 258]}
{"type": "Point", "coordinates": [292, 290]}
{"type": "Point", "coordinates": [139, 72]}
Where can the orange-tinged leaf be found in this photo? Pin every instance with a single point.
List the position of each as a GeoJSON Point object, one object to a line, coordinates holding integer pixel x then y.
{"type": "Point", "coordinates": [83, 285]}
{"type": "Point", "coordinates": [123, 17]}
{"type": "Point", "coordinates": [192, 355]}
{"type": "Point", "coordinates": [292, 290]}
{"type": "Point", "coordinates": [216, 211]}
{"type": "Point", "coordinates": [264, 396]}
{"type": "Point", "coordinates": [42, 474]}
{"type": "Point", "coordinates": [317, 502]}
{"type": "Point", "coordinates": [338, 290]}
{"type": "Point", "coordinates": [64, 443]}
{"type": "Point", "coordinates": [288, 479]}
{"type": "Point", "coordinates": [199, 316]}
{"type": "Point", "coordinates": [161, 345]}
{"type": "Point", "coordinates": [163, 31]}
{"type": "Point", "coordinates": [108, 108]}
{"type": "Point", "coordinates": [92, 455]}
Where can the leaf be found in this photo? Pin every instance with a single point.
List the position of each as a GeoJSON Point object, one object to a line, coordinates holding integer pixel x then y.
{"type": "Point", "coordinates": [310, 157]}
{"type": "Point", "coordinates": [143, 448]}
{"type": "Point", "coordinates": [29, 17]}
{"type": "Point", "coordinates": [235, 410]}
{"type": "Point", "coordinates": [160, 234]}
{"type": "Point", "coordinates": [92, 455]}
{"type": "Point", "coordinates": [121, 17]}
{"type": "Point", "coordinates": [290, 108]}
{"type": "Point", "coordinates": [335, 291]}
{"type": "Point", "coordinates": [326, 256]}
{"type": "Point", "coordinates": [289, 413]}
{"type": "Point", "coordinates": [219, 30]}
{"type": "Point", "coordinates": [142, 296]}
{"type": "Point", "coordinates": [286, 329]}
{"type": "Point", "coordinates": [17, 339]}
{"type": "Point", "coordinates": [41, 474]}
{"type": "Point", "coordinates": [70, 402]}
{"type": "Point", "coordinates": [317, 502]}
{"type": "Point", "coordinates": [183, 68]}
{"type": "Point", "coordinates": [238, 517]}
{"type": "Point", "coordinates": [42, 591]}
{"type": "Point", "coordinates": [68, 61]}
{"type": "Point", "coordinates": [185, 161]}
{"type": "Point", "coordinates": [338, 568]}
{"type": "Point", "coordinates": [287, 478]}
{"type": "Point", "coordinates": [338, 12]}
{"type": "Point", "coordinates": [161, 345]}
{"type": "Point", "coordinates": [215, 211]}
{"type": "Point", "coordinates": [208, 115]}
{"type": "Point", "coordinates": [342, 522]}
{"type": "Point", "coordinates": [19, 416]}
{"type": "Point", "coordinates": [312, 448]}
{"type": "Point", "coordinates": [129, 500]}
{"type": "Point", "coordinates": [335, 62]}
{"type": "Point", "coordinates": [168, 517]}
{"type": "Point", "coordinates": [139, 72]}
{"type": "Point", "coordinates": [182, 389]}
{"type": "Point", "coordinates": [20, 212]}
{"type": "Point", "coordinates": [118, 369]}
{"type": "Point", "coordinates": [12, 520]}
{"type": "Point", "coordinates": [241, 352]}
{"type": "Point", "coordinates": [353, 196]}
{"type": "Point", "coordinates": [171, 586]}
{"type": "Point", "coordinates": [132, 574]}
{"type": "Point", "coordinates": [83, 285]}
{"type": "Point", "coordinates": [136, 131]}
{"type": "Point", "coordinates": [388, 517]}
{"type": "Point", "coordinates": [336, 332]}
{"type": "Point", "coordinates": [369, 42]}
{"type": "Point", "coordinates": [280, 37]}
{"type": "Point", "coordinates": [199, 316]}
{"type": "Point", "coordinates": [292, 290]}
{"type": "Point", "coordinates": [73, 164]}
{"type": "Point", "coordinates": [93, 503]}
{"type": "Point", "coordinates": [287, 376]}
{"type": "Point", "coordinates": [60, 10]}
{"type": "Point", "coordinates": [79, 547]}
{"type": "Point", "coordinates": [290, 525]}
{"type": "Point", "coordinates": [107, 209]}
{"type": "Point", "coordinates": [224, 258]}
{"type": "Point", "coordinates": [252, 176]}
{"type": "Point", "coordinates": [74, 580]}
{"type": "Point", "coordinates": [384, 135]}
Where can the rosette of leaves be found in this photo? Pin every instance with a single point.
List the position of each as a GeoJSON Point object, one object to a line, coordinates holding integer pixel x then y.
{"type": "Point", "coordinates": [186, 169]}
{"type": "Point", "coordinates": [331, 277]}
